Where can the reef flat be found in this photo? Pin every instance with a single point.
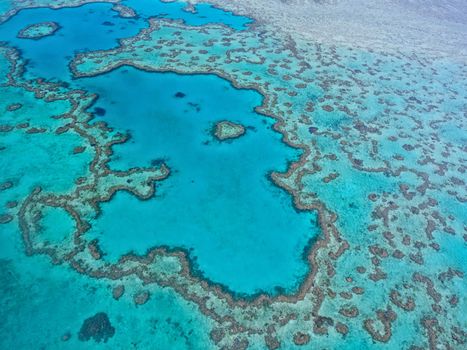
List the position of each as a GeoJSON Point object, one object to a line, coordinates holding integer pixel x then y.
{"type": "Point", "coordinates": [225, 130]}
{"type": "Point", "coordinates": [38, 30]}
{"type": "Point", "coordinates": [353, 163]}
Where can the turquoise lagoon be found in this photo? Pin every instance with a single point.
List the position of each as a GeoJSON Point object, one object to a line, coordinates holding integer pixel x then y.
{"type": "Point", "coordinates": [43, 304]}
{"type": "Point", "coordinates": [88, 27]}
{"type": "Point", "coordinates": [218, 202]}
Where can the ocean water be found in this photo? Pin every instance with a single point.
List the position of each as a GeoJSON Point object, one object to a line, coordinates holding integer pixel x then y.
{"type": "Point", "coordinates": [219, 202]}
{"type": "Point", "coordinates": [203, 13]}
{"type": "Point", "coordinates": [96, 27]}
{"type": "Point", "coordinates": [237, 178]}
{"type": "Point", "coordinates": [376, 262]}
{"type": "Point", "coordinates": [89, 27]}
{"type": "Point", "coordinates": [47, 304]}
{"type": "Point", "coordinates": [47, 160]}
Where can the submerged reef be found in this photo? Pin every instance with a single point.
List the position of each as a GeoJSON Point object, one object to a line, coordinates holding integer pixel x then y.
{"type": "Point", "coordinates": [97, 327]}
{"type": "Point", "coordinates": [38, 30]}
{"type": "Point", "coordinates": [382, 163]}
{"type": "Point", "coordinates": [225, 130]}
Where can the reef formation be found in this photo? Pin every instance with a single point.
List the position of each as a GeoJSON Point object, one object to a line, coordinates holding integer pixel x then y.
{"type": "Point", "coordinates": [97, 327]}
{"type": "Point", "coordinates": [38, 30]}
{"type": "Point", "coordinates": [382, 141]}
{"type": "Point", "coordinates": [225, 130]}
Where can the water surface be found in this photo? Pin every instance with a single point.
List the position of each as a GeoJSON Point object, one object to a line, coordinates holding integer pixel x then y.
{"type": "Point", "coordinates": [218, 202]}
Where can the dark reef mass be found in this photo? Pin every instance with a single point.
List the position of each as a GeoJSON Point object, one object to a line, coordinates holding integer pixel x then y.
{"type": "Point", "coordinates": [97, 327]}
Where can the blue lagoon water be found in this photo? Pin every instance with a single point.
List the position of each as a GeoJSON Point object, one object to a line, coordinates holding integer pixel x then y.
{"type": "Point", "coordinates": [96, 26]}
{"type": "Point", "coordinates": [203, 13]}
{"type": "Point", "coordinates": [219, 193]}
{"type": "Point", "coordinates": [89, 27]}
{"type": "Point", "coordinates": [219, 202]}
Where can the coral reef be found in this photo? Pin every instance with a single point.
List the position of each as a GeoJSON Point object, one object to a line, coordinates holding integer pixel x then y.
{"type": "Point", "coordinates": [37, 31]}
{"type": "Point", "coordinates": [97, 327]}
{"type": "Point", "coordinates": [382, 140]}
{"type": "Point", "coordinates": [225, 130]}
